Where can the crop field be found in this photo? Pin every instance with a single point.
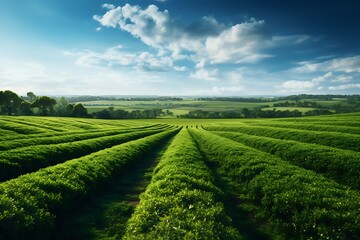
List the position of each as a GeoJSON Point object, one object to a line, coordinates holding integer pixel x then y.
{"type": "Point", "coordinates": [177, 107]}
{"type": "Point", "coordinates": [76, 178]}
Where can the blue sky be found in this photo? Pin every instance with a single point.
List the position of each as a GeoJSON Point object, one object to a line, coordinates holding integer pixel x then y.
{"type": "Point", "coordinates": [180, 47]}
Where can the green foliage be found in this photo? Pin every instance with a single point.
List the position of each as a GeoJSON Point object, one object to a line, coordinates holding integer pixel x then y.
{"type": "Point", "coordinates": [336, 140]}
{"type": "Point", "coordinates": [31, 203]}
{"type": "Point", "coordinates": [45, 104]}
{"type": "Point", "coordinates": [34, 157]}
{"type": "Point", "coordinates": [341, 165]}
{"type": "Point", "coordinates": [79, 111]}
{"type": "Point", "coordinates": [182, 201]}
{"type": "Point", "coordinates": [292, 202]}
{"type": "Point", "coordinates": [9, 102]}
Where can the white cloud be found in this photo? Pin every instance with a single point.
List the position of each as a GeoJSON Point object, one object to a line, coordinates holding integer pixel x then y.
{"type": "Point", "coordinates": [342, 79]}
{"type": "Point", "coordinates": [347, 65]}
{"type": "Point", "coordinates": [295, 85]}
{"type": "Point", "coordinates": [108, 6]}
{"type": "Point", "coordinates": [203, 41]}
{"type": "Point", "coordinates": [180, 69]}
{"type": "Point", "coordinates": [228, 90]}
{"type": "Point", "coordinates": [322, 78]}
{"type": "Point", "coordinates": [205, 74]}
{"type": "Point", "coordinates": [117, 57]}
{"type": "Point", "coordinates": [298, 85]}
{"type": "Point", "coordinates": [345, 87]}
{"type": "Point", "coordinates": [239, 44]}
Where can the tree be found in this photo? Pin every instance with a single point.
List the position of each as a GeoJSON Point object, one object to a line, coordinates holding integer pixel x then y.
{"type": "Point", "coordinates": [9, 102]}
{"type": "Point", "coordinates": [45, 105]}
{"type": "Point", "coordinates": [25, 108]}
{"type": "Point", "coordinates": [31, 96]}
{"type": "Point", "coordinates": [63, 108]}
{"type": "Point", "coordinates": [79, 110]}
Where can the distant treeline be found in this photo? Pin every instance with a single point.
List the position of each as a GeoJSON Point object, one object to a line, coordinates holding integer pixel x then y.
{"type": "Point", "coordinates": [74, 99]}
{"type": "Point", "coordinates": [12, 104]}
{"type": "Point", "coordinates": [236, 99]}
{"type": "Point", "coordinates": [111, 113]}
{"type": "Point", "coordinates": [253, 113]}
{"type": "Point", "coordinates": [327, 97]}
{"type": "Point", "coordinates": [296, 104]}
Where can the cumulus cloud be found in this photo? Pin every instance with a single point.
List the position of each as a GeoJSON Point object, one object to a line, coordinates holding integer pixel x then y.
{"type": "Point", "coordinates": [296, 85]}
{"type": "Point", "coordinates": [239, 44]}
{"type": "Point", "coordinates": [206, 74]}
{"type": "Point", "coordinates": [347, 65]}
{"type": "Point", "coordinates": [157, 29]}
{"type": "Point", "coordinates": [117, 57]}
{"type": "Point", "coordinates": [205, 40]}
{"type": "Point", "coordinates": [345, 87]}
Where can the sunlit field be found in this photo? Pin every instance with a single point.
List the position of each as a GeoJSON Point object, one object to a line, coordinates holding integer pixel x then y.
{"type": "Point", "coordinates": [288, 178]}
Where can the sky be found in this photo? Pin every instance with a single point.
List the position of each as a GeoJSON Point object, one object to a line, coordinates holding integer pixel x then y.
{"type": "Point", "coordinates": [180, 47]}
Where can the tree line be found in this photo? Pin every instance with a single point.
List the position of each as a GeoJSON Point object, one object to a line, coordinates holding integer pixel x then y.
{"type": "Point", "coordinates": [12, 104]}
{"type": "Point", "coordinates": [253, 113]}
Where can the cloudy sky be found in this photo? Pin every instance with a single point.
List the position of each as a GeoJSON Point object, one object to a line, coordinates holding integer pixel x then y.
{"type": "Point", "coordinates": [180, 47]}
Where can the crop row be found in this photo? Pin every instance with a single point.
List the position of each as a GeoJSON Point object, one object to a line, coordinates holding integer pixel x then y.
{"type": "Point", "coordinates": [336, 140]}
{"type": "Point", "coordinates": [66, 137]}
{"type": "Point", "coordinates": [349, 122]}
{"type": "Point", "coordinates": [182, 200]}
{"type": "Point", "coordinates": [16, 136]}
{"type": "Point", "coordinates": [21, 128]}
{"type": "Point", "coordinates": [308, 126]}
{"type": "Point", "coordinates": [34, 201]}
{"type": "Point", "coordinates": [290, 202]}
{"type": "Point", "coordinates": [41, 124]}
{"type": "Point", "coordinates": [340, 165]}
{"type": "Point", "coordinates": [28, 159]}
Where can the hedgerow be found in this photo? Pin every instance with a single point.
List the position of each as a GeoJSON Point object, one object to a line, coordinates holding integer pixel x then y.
{"type": "Point", "coordinates": [66, 138]}
{"type": "Point", "coordinates": [340, 165]}
{"type": "Point", "coordinates": [32, 158]}
{"type": "Point", "coordinates": [31, 204]}
{"type": "Point", "coordinates": [182, 200]}
{"type": "Point", "coordinates": [337, 140]}
{"type": "Point", "coordinates": [293, 203]}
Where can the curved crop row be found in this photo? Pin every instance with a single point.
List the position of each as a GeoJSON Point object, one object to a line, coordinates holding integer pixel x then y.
{"type": "Point", "coordinates": [38, 124]}
{"type": "Point", "coordinates": [308, 126]}
{"type": "Point", "coordinates": [65, 138]}
{"type": "Point", "coordinates": [4, 132]}
{"type": "Point", "coordinates": [29, 159]}
{"type": "Point", "coordinates": [336, 140]}
{"type": "Point", "coordinates": [293, 203]}
{"type": "Point", "coordinates": [33, 202]}
{"type": "Point", "coordinates": [15, 136]}
{"type": "Point", "coordinates": [21, 128]}
{"type": "Point", "coordinates": [342, 166]}
{"type": "Point", "coordinates": [182, 201]}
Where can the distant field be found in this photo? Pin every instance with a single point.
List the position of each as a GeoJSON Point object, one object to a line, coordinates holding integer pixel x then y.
{"type": "Point", "coordinates": [73, 178]}
{"type": "Point", "coordinates": [177, 107]}
{"type": "Point", "coordinates": [183, 107]}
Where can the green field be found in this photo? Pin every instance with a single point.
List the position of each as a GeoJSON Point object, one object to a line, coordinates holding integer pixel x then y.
{"type": "Point", "coordinates": [178, 107]}
{"type": "Point", "coordinates": [74, 178]}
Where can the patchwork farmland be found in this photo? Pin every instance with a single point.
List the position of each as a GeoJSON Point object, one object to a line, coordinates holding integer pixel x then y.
{"type": "Point", "coordinates": [289, 178]}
